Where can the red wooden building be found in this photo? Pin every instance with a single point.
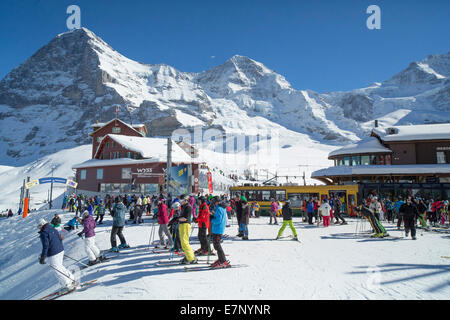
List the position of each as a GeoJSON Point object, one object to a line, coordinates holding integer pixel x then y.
{"type": "Point", "coordinates": [124, 160]}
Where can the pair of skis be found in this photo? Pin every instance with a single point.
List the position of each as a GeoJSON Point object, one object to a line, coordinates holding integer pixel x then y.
{"type": "Point", "coordinates": [201, 265]}
{"type": "Point", "coordinates": [60, 293]}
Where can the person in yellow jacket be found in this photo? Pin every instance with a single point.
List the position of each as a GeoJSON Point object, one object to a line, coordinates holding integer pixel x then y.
{"type": "Point", "coordinates": [185, 231]}
{"type": "Point", "coordinates": [257, 209]}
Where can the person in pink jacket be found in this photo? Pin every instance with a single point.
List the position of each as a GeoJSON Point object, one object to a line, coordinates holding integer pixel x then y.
{"type": "Point", "coordinates": [273, 211]}
{"type": "Point", "coordinates": [163, 221]}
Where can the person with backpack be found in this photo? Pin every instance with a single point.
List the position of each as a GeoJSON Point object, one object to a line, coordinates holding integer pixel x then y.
{"type": "Point", "coordinates": [287, 220]}
{"type": "Point", "coordinates": [310, 210]}
{"type": "Point", "coordinates": [93, 252]}
{"type": "Point", "coordinates": [119, 211]}
{"type": "Point", "coordinates": [185, 230]}
{"type": "Point", "coordinates": [53, 254]}
{"type": "Point", "coordinates": [203, 226]}
{"type": "Point", "coordinates": [218, 223]}
{"type": "Point", "coordinates": [100, 212]}
{"type": "Point", "coordinates": [173, 226]}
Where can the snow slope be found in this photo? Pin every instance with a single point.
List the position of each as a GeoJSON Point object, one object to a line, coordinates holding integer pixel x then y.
{"type": "Point", "coordinates": [330, 263]}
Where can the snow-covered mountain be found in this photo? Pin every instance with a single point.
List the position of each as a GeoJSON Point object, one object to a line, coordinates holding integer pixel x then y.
{"type": "Point", "coordinates": [49, 102]}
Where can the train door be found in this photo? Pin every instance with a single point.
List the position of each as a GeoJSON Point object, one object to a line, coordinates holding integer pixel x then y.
{"type": "Point", "coordinates": [342, 196]}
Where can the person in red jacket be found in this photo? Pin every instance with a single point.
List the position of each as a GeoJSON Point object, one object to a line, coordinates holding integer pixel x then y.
{"type": "Point", "coordinates": [203, 226]}
{"type": "Point", "coordinates": [163, 221]}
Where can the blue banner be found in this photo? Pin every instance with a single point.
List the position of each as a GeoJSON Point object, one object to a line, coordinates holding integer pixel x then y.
{"type": "Point", "coordinates": [52, 179]}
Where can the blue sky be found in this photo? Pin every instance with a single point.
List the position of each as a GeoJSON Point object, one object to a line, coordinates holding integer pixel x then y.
{"type": "Point", "coordinates": [317, 45]}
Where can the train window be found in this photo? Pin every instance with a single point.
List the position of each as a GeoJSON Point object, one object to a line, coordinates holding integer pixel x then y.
{"type": "Point", "coordinates": [265, 195]}
{"type": "Point", "coordinates": [280, 195]}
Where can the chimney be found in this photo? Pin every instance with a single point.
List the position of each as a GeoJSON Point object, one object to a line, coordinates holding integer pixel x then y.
{"type": "Point", "coordinates": [376, 123]}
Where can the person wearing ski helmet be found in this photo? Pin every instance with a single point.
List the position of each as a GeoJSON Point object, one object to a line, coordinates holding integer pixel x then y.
{"type": "Point", "coordinates": [88, 232]}
{"type": "Point", "coordinates": [53, 252]}
{"type": "Point", "coordinates": [185, 231]}
{"type": "Point", "coordinates": [173, 226]}
{"type": "Point", "coordinates": [287, 220]}
{"type": "Point", "coordinates": [203, 226]}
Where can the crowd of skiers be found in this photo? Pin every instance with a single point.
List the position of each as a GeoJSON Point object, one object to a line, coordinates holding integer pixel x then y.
{"type": "Point", "coordinates": [212, 214]}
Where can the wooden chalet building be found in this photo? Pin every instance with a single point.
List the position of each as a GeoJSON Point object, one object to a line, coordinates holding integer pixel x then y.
{"type": "Point", "coordinates": [124, 160]}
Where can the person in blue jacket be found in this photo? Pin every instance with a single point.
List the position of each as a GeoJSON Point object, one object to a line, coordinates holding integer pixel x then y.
{"type": "Point", "coordinates": [53, 251]}
{"type": "Point", "coordinates": [218, 223]}
{"type": "Point", "coordinates": [310, 210]}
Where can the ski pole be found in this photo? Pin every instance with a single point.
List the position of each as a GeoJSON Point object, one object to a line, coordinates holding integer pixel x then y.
{"type": "Point", "coordinates": [65, 275]}
{"type": "Point", "coordinates": [76, 260]}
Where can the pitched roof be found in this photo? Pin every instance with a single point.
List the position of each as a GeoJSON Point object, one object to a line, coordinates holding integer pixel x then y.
{"type": "Point", "coordinates": [149, 148]}
{"type": "Point", "coordinates": [368, 145]}
{"type": "Point", "coordinates": [133, 127]}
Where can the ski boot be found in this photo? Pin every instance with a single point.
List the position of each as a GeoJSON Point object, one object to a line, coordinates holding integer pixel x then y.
{"type": "Point", "coordinates": [226, 264]}
{"type": "Point", "coordinates": [123, 246]}
{"type": "Point", "coordinates": [244, 238]}
{"type": "Point", "coordinates": [215, 264]}
{"type": "Point", "coordinates": [295, 238]}
{"type": "Point", "coordinates": [91, 263]}
{"type": "Point", "coordinates": [114, 249]}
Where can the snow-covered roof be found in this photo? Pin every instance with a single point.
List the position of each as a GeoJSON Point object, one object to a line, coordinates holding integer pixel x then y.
{"type": "Point", "coordinates": [382, 169]}
{"type": "Point", "coordinates": [439, 131]}
{"type": "Point", "coordinates": [149, 148]}
{"type": "Point", "coordinates": [369, 145]}
{"type": "Point", "coordinates": [115, 162]}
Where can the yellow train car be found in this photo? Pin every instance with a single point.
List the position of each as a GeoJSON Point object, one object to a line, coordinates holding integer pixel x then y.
{"type": "Point", "coordinates": [298, 194]}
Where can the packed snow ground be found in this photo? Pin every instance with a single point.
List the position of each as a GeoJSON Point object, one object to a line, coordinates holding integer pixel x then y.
{"type": "Point", "coordinates": [329, 263]}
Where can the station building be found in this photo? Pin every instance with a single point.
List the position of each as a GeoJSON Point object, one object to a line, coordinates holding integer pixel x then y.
{"type": "Point", "coordinates": [396, 161]}
{"type": "Point", "coordinates": [125, 160]}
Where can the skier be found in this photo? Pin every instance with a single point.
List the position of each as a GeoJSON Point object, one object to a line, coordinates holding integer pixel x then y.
{"type": "Point", "coordinates": [163, 221]}
{"type": "Point", "coordinates": [287, 220]}
{"type": "Point", "coordinates": [203, 226]}
{"type": "Point", "coordinates": [137, 212]}
{"type": "Point", "coordinates": [245, 218]}
{"type": "Point", "coordinates": [119, 210]}
{"type": "Point", "coordinates": [409, 212]}
{"type": "Point", "coordinates": [273, 211]}
{"type": "Point", "coordinates": [185, 231]}
{"type": "Point", "coordinates": [375, 206]}
{"type": "Point", "coordinates": [218, 223]}
{"type": "Point", "coordinates": [324, 211]}
{"type": "Point", "coordinates": [173, 225]}
{"type": "Point", "coordinates": [91, 248]}
{"type": "Point", "coordinates": [53, 249]}
{"type": "Point", "coordinates": [337, 211]}
{"type": "Point", "coordinates": [422, 209]}
{"type": "Point", "coordinates": [378, 229]}
{"type": "Point", "coordinates": [100, 211]}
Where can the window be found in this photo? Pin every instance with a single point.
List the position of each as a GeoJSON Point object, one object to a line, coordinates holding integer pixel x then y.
{"type": "Point", "coordinates": [126, 173]}
{"type": "Point", "coordinates": [83, 174]}
{"type": "Point", "coordinates": [99, 139]}
{"type": "Point", "coordinates": [356, 160]}
{"type": "Point", "coordinates": [387, 158]}
{"type": "Point", "coordinates": [128, 154]}
{"type": "Point", "coordinates": [116, 129]}
{"type": "Point", "coordinates": [347, 161]}
{"type": "Point", "coordinates": [265, 195]}
{"type": "Point", "coordinates": [440, 157]}
{"type": "Point", "coordinates": [99, 174]}
{"type": "Point", "coordinates": [112, 144]}
{"type": "Point", "coordinates": [365, 160]}
{"type": "Point", "coordinates": [280, 195]}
